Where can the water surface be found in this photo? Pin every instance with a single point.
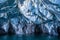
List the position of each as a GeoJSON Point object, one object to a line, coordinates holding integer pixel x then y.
{"type": "Point", "coordinates": [29, 37]}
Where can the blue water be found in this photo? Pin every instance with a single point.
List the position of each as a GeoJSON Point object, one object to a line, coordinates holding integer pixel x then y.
{"type": "Point", "coordinates": [29, 37]}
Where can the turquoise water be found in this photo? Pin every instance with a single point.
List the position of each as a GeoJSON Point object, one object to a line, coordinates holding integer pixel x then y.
{"type": "Point", "coordinates": [29, 37]}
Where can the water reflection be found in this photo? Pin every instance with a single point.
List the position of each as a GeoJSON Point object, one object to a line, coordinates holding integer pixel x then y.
{"type": "Point", "coordinates": [29, 37]}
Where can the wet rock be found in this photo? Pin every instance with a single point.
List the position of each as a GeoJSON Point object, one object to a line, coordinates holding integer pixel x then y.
{"type": "Point", "coordinates": [11, 29]}
{"type": "Point", "coordinates": [24, 29]}
{"type": "Point", "coordinates": [37, 30]}
{"type": "Point", "coordinates": [58, 30]}
{"type": "Point", "coordinates": [21, 1]}
{"type": "Point", "coordinates": [2, 31]}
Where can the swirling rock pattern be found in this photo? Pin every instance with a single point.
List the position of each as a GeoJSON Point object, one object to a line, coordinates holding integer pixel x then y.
{"type": "Point", "coordinates": [24, 15]}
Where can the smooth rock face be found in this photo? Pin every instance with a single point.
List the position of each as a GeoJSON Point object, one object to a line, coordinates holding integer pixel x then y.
{"type": "Point", "coordinates": [30, 16]}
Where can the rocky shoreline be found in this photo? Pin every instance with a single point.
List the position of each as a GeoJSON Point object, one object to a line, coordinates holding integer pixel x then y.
{"type": "Point", "coordinates": [37, 31]}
